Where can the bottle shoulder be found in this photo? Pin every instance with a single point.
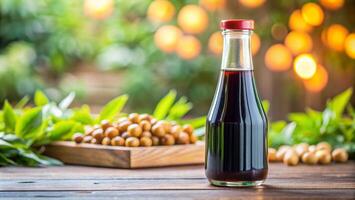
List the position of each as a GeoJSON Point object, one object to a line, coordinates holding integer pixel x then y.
{"type": "Point", "coordinates": [236, 99]}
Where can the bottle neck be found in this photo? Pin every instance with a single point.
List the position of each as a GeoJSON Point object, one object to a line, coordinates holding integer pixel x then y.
{"type": "Point", "coordinates": [237, 50]}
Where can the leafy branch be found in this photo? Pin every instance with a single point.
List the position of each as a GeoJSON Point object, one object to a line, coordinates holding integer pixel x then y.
{"type": "Point", "coordinates": [332, 125]}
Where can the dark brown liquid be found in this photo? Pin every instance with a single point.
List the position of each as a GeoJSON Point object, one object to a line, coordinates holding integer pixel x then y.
{"type": "Point", "coordinates": [236, 132]}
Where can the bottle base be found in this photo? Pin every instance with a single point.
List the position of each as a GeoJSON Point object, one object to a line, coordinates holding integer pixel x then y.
{"type": "Point", "coordinates": [237, 183]}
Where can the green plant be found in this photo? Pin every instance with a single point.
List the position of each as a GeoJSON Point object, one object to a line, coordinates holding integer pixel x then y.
{"type": "Point", "coordinates": [332, 125]}
{"type": "Point", "coordinates": [24, 130]}
{"type": "Point", "coordinates": [170, 109]}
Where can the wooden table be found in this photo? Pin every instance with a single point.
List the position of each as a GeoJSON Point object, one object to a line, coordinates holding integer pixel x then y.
{"type": "Point", "coordinates": [336, 181]}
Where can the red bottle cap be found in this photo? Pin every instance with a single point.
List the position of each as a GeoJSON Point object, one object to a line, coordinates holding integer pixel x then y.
{"type": "Point", "coordinates": [237, 24]}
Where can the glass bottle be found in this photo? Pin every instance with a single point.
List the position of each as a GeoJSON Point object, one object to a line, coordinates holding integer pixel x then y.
{"type": "Point", "coordinates": [236, 129]}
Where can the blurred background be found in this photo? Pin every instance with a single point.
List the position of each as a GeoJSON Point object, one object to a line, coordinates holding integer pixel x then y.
{"type": "Point", "coordinates": [304, 51]}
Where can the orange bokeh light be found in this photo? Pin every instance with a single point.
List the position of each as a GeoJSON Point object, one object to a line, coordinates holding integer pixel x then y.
{"type": "Point", "coordinates": [167, 37]}
{"type": "Point", "coordinates": [297, 23]}
{"type": "Point", "coordinates": [98, 9]}
{"type": "Point", "coordinates": [189, 47]}
{"type": "Point", "coordinates": [161, 11]}
{"type": "Point", "coordinates": [252, 3]}
{"type": "Point", "coordinates": [332, 4]}
{"type": "Point", "coordinates": [298, 42]}
{"type": "Point", "coordinates": [312, 14]}
{"type": "Point", "coordinates": [193, 19]}
{"type": "Point", "coordinates": [305, 66]}
{"type": "Point", "coordinates": [278, 58]}
{"type": "Point", "coordinates": [255, 43]}
{"type": "Point", "coordinates": [335, 37]}
{"type": "Point", "coordinates": [317, 82]}
{"type": "Point", "coordinates": [213, 5]}
{"type": "Point", "coordinates": [350, 45]}
{"type": "Point", "coordinates": [215, 43]}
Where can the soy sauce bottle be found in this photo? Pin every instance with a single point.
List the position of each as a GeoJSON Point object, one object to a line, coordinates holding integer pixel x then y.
{"type": "Point", "coordinates": [236, 129]}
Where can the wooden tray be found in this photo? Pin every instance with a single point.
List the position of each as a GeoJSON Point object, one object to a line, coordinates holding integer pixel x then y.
{"type": "Point", "coordinates": [126, 157]}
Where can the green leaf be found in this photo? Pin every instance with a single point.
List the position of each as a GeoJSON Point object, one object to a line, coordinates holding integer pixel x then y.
{"type": "Point", "coordinates": [5, 145]}
{"type": "Point", "coordinates": [4, 161]}
{"type": "Point", "coordinates": [110, 110]}
{"type": "Point", "coordinates": [9, 116]}
{"type": "Point", "coordinates": [40, 98]}
{"type": "Point", "coordinates": [61, 130]}
{"type": "Point", "coordinates": [288, 130]}
{"type": "Point", "coordinates": [29, 123]}
{"type": "Point", "coordinates": [195, 122]}
{"type": "Point", "coordinates": [42, 160]}
{"type": "Point", "coordinates": [275, 137]}
{"type": "Point", "coordinates": [83, 115]}
{"type": "Point", "coordinates": [266, 105]}
{"type": "Point", "coordinates": [179, 109]}
{"type": "Point", "coordinates": [164, 105]}
{"type": "Point", "coordinates": [302, 120]}
{"type": "Point", "coordinates": [65, 103]}
{"type": "Point", "coordinates": [49, 161]}
{"type": "Point", "coordinates": [22, 102]}
{"type": "Point", "coordinates": [326, 117]}
{"type": "Point", "coordinates": [339, 102]}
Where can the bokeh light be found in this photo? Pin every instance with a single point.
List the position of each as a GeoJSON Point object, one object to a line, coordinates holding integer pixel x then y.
{"type": "Point", "coordinates": [335, 37]}
{"type": "Point", "coordinates": [332, 4]}
{"type": "Point", "coordinates": [350, 45]}
{"type": "Point", "coordinates": [193, 19]}
{"type": "Point", "coordinates": [213, 5]}
{"type": "Point", "coordinates": [297, 23]}
{"type": "Point", "coordinates": [317, 82]}
{"type": "Point", "coordinates": [278, 58]}
{"type": "Point", "coordinates": [161, 11]}
{"type": "Point", "coordinates": [98, 9]}
{"type": "Point", "coordinates": [189, 47]}
{"type": "Point", "coordinates": [298, 42]}
{"type": "Point", "coordinates": [279, 31]}
{"type": "Point", "coordinates": [167, 37]}
{"type": "Point", "coordinates": [305, 66]}
{"type": "Point", "coordinates": [215, 43]}
{"type": "Point", "coordinates": [252, 3]}
{"type": "Point", "coordinates": [312, 14]}
{"type": "Point", "coordinates": [255, 43]}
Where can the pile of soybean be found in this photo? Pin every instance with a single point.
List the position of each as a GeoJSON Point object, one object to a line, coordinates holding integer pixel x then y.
{"type": "Point", "coordinates": [137, 130]}
{"type": "Point", "coordinates": [322, 153]}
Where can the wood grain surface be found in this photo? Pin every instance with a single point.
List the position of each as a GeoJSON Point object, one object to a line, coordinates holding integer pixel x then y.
{"type": "Point", "coordinates": [335, 181]}
{"type": "Point", "coordinates": [126, 157]}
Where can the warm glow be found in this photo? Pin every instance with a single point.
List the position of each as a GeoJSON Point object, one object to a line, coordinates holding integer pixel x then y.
{"type": "Point", "coordinates": [213, 5]}
{"type": "Point", "coordinates": [251, 3]}
{"type": "Point", "coordinates": [335, 37]}
{"type": "Point", "coordinates": [305, 66]}
{"type": "Point", "coordinates": [193, 19]}
{"type": "Point", "coordinates": [318, 81]}
{"type": "Point", "coordinates": [167, 37]}
{"type": "Point", "coordinates": [323, 36]}
{"type": "Point", "coordinates": [297, 23]}
{"type": "Point", "coordinates": [255, 43]}
{"type": "Point", "coordinates": [312, 14]}
{"type": "Point", "coordinates": [278, 58]}
{"type": "Point", "coordinates": [215, 43]}
{"type": "Point", "coordinates": [350, 45]}
{"type": "Point", "coordinates": [298, 42]}
{"type": "Point", "coordinates": [189, 47]}
{"type": "Point", "coordinates": [332, 4]}
{"type": "Point", "coordinates": [161, 11]}
{"type": "Point", "coordinates": [98, 9]}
